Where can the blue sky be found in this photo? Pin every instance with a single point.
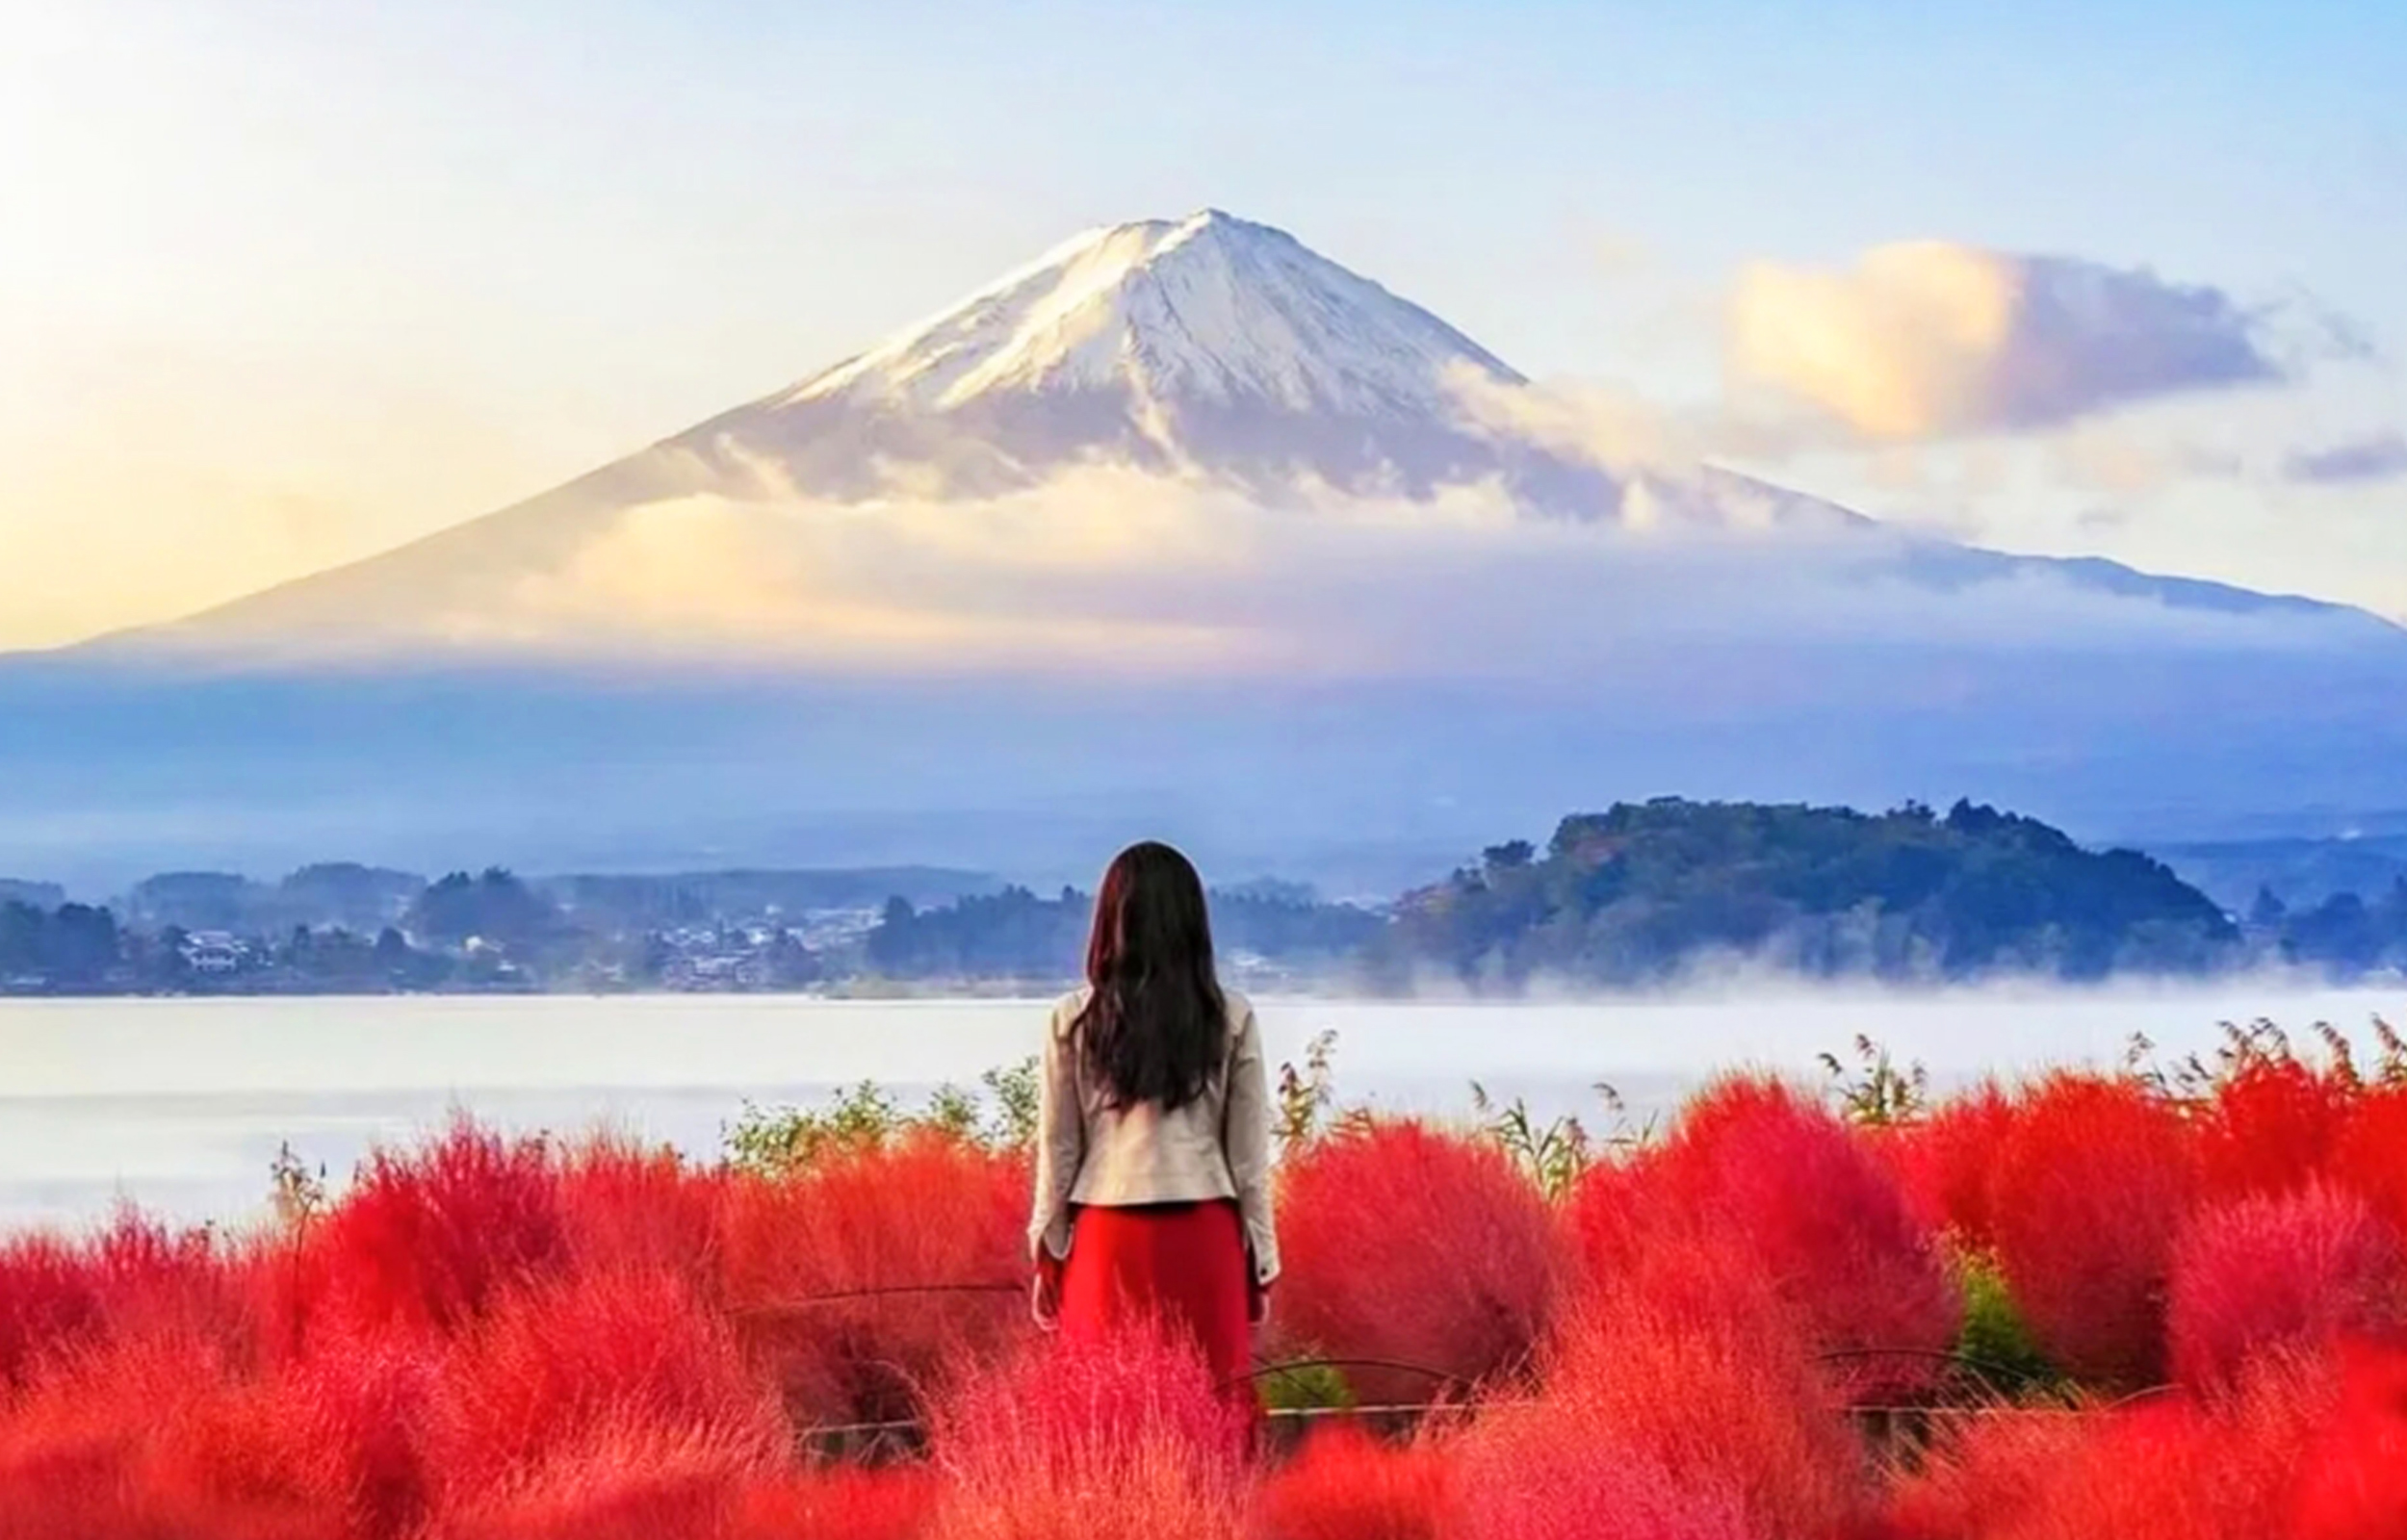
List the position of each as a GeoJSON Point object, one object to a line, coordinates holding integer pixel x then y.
{"type": "Point", "coordinates": [294, 282]}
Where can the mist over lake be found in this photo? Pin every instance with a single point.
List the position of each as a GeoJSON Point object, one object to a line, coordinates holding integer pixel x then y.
{"type": "Point", "coordinates": [180, 1105]}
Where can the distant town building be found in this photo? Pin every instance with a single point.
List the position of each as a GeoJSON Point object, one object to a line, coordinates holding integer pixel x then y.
{"type": "Point", "coordinates": [215, 952]}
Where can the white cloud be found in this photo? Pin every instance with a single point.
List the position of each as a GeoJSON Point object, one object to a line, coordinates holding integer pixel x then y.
{"type": "Point", "coordinates": [1610, 427]}
{"type": "Point", "coordinates": [1933, 339]}
{"type": "Point", "coordinates": [1112, 572]}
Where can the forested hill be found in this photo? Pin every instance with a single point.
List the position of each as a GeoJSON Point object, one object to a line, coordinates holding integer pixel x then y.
{"type": "Point", "coordinates": [1640, 891]}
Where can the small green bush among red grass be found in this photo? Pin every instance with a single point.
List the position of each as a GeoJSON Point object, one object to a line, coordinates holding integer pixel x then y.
{"type": "Point", "coordinates": [1712, 1336]}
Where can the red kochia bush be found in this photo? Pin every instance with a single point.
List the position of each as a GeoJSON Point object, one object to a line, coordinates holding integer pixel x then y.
{"type": "Point", "coordinates": [360, 1402]}
{"type": "Point", "coordinates": [803, 1257]}
{"type": "Point", "coordinates": [335, 1434]}
{"type": "Point", "coordinates": [626, 1481]}
{"type": "Point", "coordinates": [629, 1208]}
{"type": "Point", "coordinates": [2354, 1482]}
{"type": "Point", "coordinates": [130, 1277]}
{"type": "Point", "coordinates": [1943, 1163]}
{"type": "Point", "coordinates": [606, 1407]}
{"type": "Point", "coordinates": [2172, 1468]}
{"type": "Point", "coordinates": [2269, 1127]}
{"type": "Point", "coordinates": [1983, 1475]}
{"type": "Point", "coordinates": [1525, 1480]}
{"type": "Point", "coordinates": [837, 1502]}
{"type": "Point", "coordinates": [1122, 1436]}
{"type": "Point", "coordinates": [75, 1442]}
{"type": "Point", "coordinates": [429, 1238]}
{"type": "Point", "coordinates": [2369, 1154]}
{"type": "Point", "coordinates": [1717, 1390]}
{"type": "Point", "coordinates": [608, 1356]}
{"type": "Point", "coordinates": [2092, 1186]}
{"type": "Point", "coordinates": [1657, 1420]}
{"type": "Point", "coordinates": [1816, 1216]}
{"type": "Point", "coordinates": [1648, 1264]}
{"type": "Point", "coordinates": [1347, 1485]}
{"type": "Point", "coordinates": [2287, 1273]}
{"type": "Point", "coordinates": [1413, 1247]}
{"type": "Point", "coordinates": [160, 1435]}
{"type": "Point", "coordinates": [47, 1300]}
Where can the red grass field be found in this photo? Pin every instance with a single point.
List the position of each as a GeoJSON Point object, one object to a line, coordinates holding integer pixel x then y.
{"type": "Point", "coordinates": [1751, 1329]}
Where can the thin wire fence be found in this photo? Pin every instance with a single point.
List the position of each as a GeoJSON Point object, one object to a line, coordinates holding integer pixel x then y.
{"type": "Point", "coordinates": [1990, 1393]}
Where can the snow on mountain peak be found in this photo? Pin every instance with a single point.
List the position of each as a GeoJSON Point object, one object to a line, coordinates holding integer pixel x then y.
{"type": "Point", "coordinates": [1207, 347]}
{"type": "Point", "coordinates": [1211, 308]}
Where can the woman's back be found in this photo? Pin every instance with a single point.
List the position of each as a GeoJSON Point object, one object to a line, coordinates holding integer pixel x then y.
{"type": "Point", "coordinates": [1152, 1158]}
{"type": "Point", "coordinates": [1100, 1152]}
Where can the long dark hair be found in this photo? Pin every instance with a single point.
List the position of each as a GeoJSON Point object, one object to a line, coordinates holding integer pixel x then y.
{"type": "Point", "coordinates": [1155, 1026]}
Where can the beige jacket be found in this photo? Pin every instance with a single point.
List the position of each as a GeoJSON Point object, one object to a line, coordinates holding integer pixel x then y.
{"type": "Point", "coordinates": [1216, 1146]}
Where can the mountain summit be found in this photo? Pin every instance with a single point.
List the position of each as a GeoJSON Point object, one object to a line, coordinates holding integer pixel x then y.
{"type": "Point", "coordinates": [1209, 346]}
{"type": "Point", "coordinates": [1207, 308]}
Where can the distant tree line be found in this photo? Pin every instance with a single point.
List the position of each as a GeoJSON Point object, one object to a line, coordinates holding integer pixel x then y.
{"type": "Point", "coordinates": [366, 899]}
{"type": "Point", "coordinates": [645, 902]}
{"type": "Point", "coordinates": [1631, 896]}
{"type": "Point", "coordinates": [336, 894]}
{"type": "Point", "coordinates": [1016, 934]}
{"type": "Point", "coordinates": [73, 946]}
{"type": "Point", "coordinates": [2343, 935]}
{"type": "Point", "coordinates": [484, 931]}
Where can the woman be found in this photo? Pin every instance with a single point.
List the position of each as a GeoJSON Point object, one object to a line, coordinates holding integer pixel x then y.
{"type": "Point", "coordinates": [1152, 1157]}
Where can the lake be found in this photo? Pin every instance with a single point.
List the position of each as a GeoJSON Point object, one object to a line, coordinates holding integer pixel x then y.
{"type": "Point", "coordinates": [180, 1105]}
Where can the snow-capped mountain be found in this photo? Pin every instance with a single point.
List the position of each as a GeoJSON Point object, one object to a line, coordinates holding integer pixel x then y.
{"type": "Point", "coordinates": [1205, 353]}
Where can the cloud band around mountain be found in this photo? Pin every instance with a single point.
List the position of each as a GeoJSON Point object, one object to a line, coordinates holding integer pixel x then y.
{"type": "Point", "coordinates": [1934, 338]}
{"type": "Point", "coordinates": [1107, 571]}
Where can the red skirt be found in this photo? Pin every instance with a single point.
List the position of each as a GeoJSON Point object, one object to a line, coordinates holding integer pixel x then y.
{"type": "Point", "coordinates": [1180, 1265]}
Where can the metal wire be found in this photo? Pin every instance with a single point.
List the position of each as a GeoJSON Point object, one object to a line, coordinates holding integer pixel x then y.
{"type": "Point", "coordinates": [1933, 1355]}
{"type": "Point", "coordinates": [775, 1307]}
{"type": "Point", "coordinates": [1261, 1371]}
{"type": "Point", "coordinates": [1264, 1370]}
{"type": "Point", "coordinates": [1276, 1414]}
{"type": "Point", "coordinates": [1995, 1376]}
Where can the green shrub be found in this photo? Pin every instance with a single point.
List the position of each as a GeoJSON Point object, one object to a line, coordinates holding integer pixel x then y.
{"type": "Point", "coordinates": [1306, 1387]}
{"type": "Point", "coordinates": [1551, 1155]}
{"type": "Point", "coordinates": [1996, 1340]}
{"type": "Point", "coordinates": [778, 1140]}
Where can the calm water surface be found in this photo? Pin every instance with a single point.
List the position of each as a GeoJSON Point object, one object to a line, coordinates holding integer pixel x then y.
{"type": "Point", "coordinates": [180, 1105]}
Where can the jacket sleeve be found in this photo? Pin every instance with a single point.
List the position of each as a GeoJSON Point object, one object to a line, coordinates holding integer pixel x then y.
{"type": "Point", "coordinates": [1244, 1134]}
{"type": "Point", "coordinates": [1060, 1140]}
